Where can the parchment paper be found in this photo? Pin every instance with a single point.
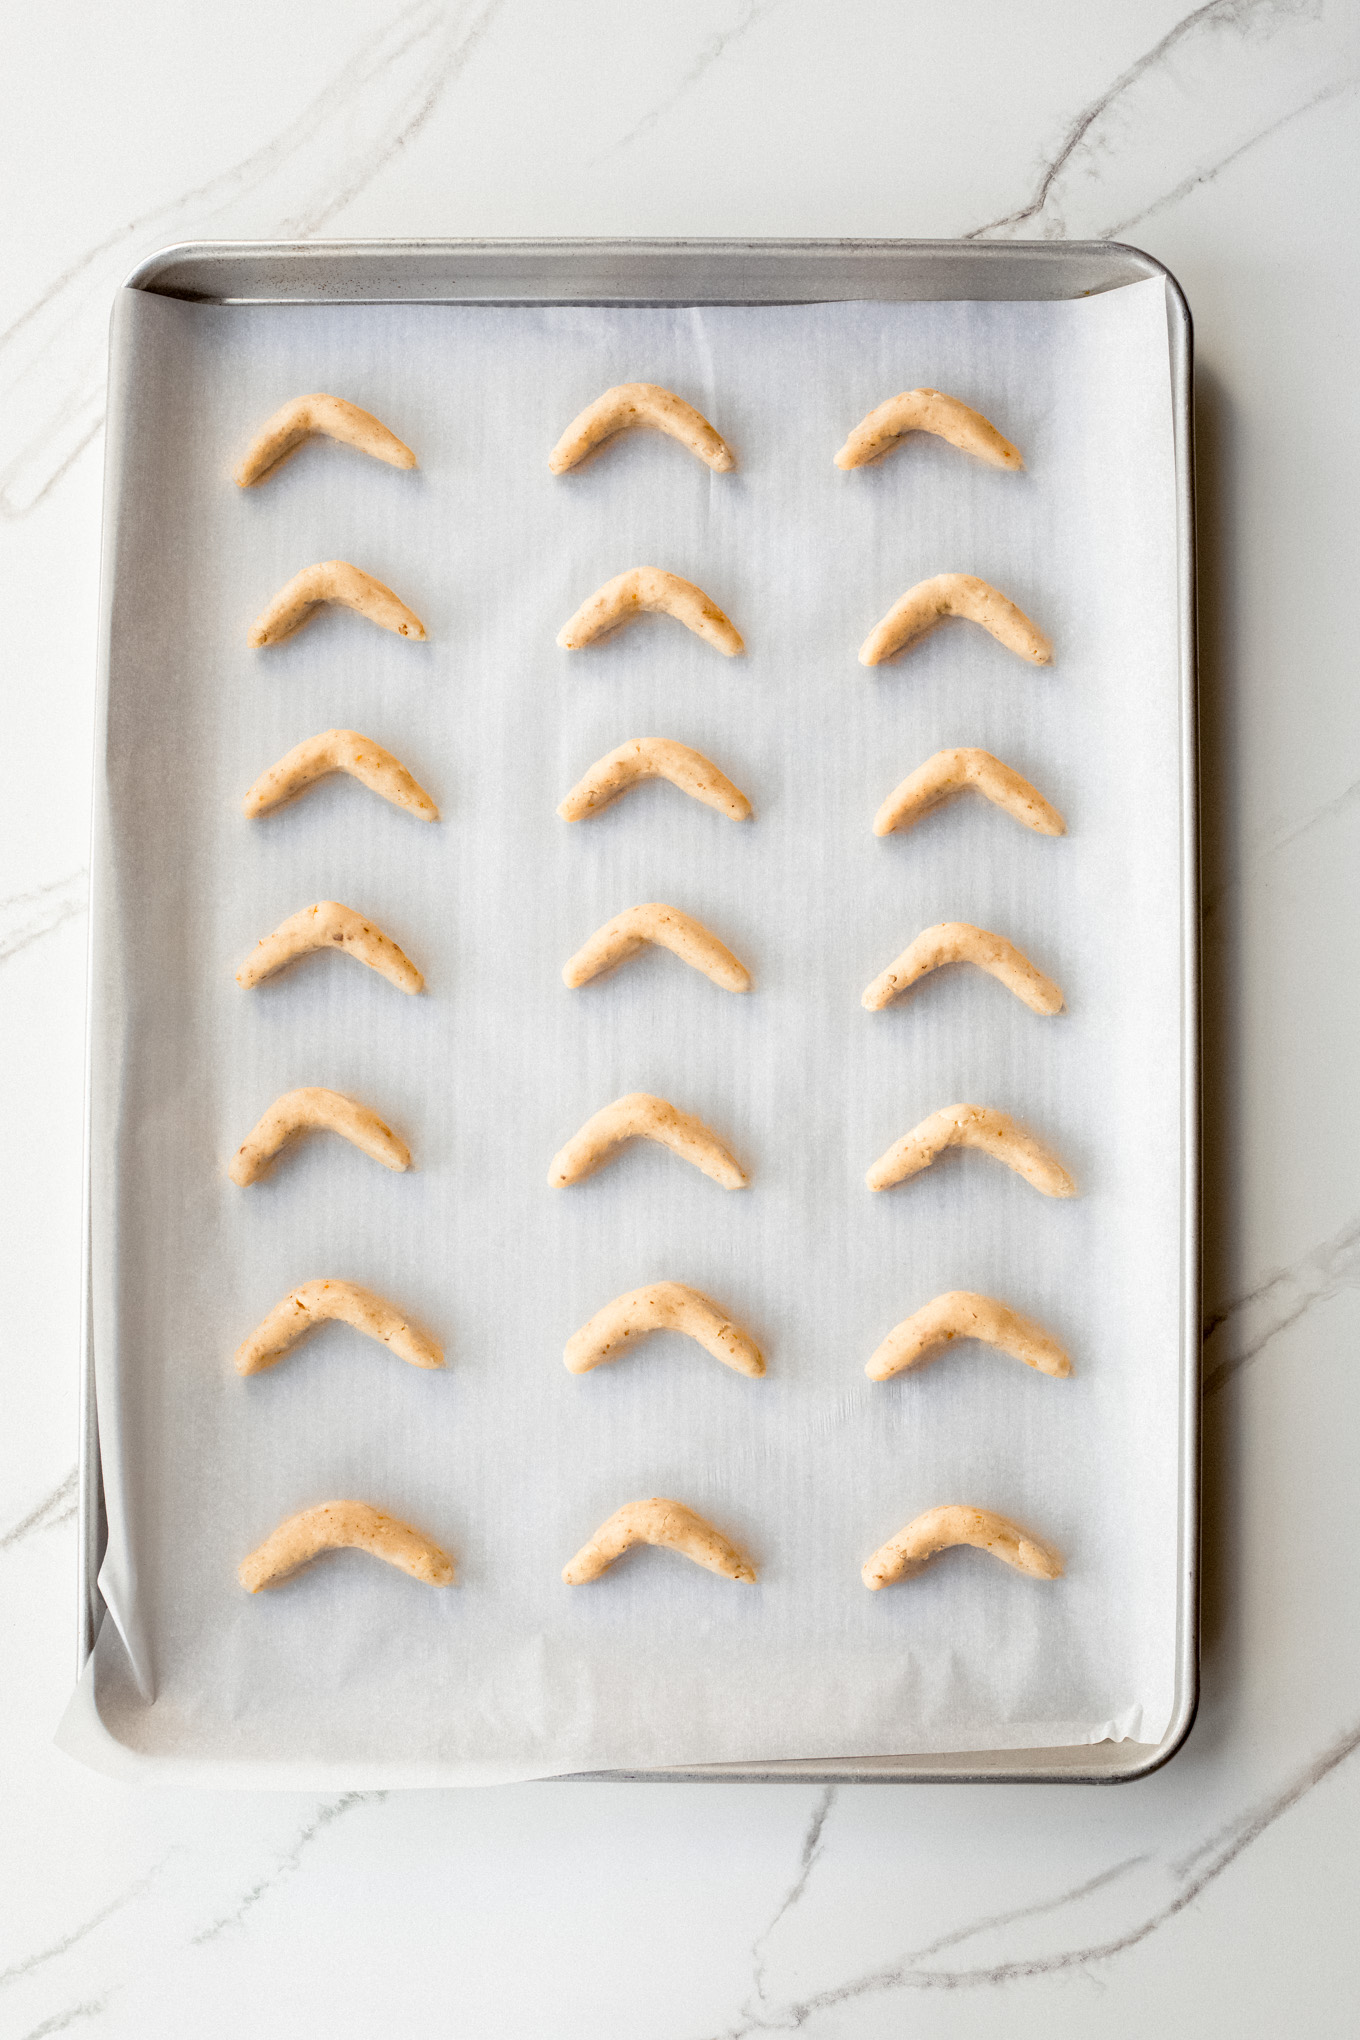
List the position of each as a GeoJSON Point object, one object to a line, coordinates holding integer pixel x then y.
{"type": "Point", "coordinates": [352, 1669]}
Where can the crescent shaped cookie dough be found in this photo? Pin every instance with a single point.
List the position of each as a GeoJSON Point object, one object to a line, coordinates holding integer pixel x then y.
{"type": "Point", "coordinates": [640, 1116]}
{"type": "Point", "coordinates": [930, 602]}
{"type": "Point", "coordinates": [332, 416]}
{"type": "Point", "coordinates": [339, 1526]}
{"type": "Point", "coordinates": [927, 411]}
{"type": "Point", "coordinates": [640, 403]}
{"type": "Point", "coordinates": [316, 1303]}
{"type": "Point", "coordinates": [961, 942]}
{"type": "Point", "coordinates": [668, 928]}
{"type": "Point", "coordinates": [653, 758]}
{"type": "Point", "coordinates": [313, 1108]}
{"type": "Point", "coordinates": [333, 581]}
{"type": "Point", "coordinates": [328, 925]}
{"type": "Point", "coordinates": [662, 1306]}
{"type": "Point", "coordinates": [958, 1523]}
{"type": "Point", "coordinates": [653, 591]}
{"type": "Point", "coordinates": [976, 1126]}
{"type": "Point", "coordinates": [658, 1521]}
{"type": "Point", "coordinates": [962, 1314]}
{"type": "Point", "coordinates": [949, 773]}
{"type": "Point", "coordinates": [338, 751]}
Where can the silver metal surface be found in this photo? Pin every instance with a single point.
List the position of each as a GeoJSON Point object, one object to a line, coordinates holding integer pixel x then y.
{"type": "Point", "coordinates": [761, 272]}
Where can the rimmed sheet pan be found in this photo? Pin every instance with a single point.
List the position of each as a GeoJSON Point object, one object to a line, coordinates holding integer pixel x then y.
{"type": "Point", "coordinates": [628, 276]}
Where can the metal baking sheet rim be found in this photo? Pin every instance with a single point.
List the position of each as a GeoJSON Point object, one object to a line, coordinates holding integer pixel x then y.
{"type": "Point", "coordinates": [766, 272]}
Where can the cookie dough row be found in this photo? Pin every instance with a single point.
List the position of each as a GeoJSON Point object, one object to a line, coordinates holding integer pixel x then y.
{"type": "Point", "coordinates": [641, 1116]}
{"type": "Point", "coordinates": [653, 591]}
{"type": "Point", "coordinates": [659, 1306]}
{"type": "Point", "coordinates": [330, 925]}
{"type": "Point", "coordinates": [657, 1520]}
{"type": "Point", "coordinates": [620, 409]}
{"type": "Point", "coordinates": [939, 779]}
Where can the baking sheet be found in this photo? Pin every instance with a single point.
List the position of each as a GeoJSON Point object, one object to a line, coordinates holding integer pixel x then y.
{"type": "Point", "coordinates": [505, 1457]}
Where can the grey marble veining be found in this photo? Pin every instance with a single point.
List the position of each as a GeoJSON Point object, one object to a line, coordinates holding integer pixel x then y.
{"type": "Point", "coordinates": [61, 2021]}
{"type": "Point", "coordinates": [807, 1862]}
{"type": "Point", "coordinates": [1259, 64]}
{"type": "Point", "coordinates": [289, 1861]}
{"type": "Point", "coordinates": [1342, 807]}
{"type": "Point", "coordinates": [28, 916]}
{"type": "Point", "coordinates": [749, 14]}
{"type": "Point", "coordinates": [1239, 1332]}
{"type": "Point", "coordinates": [54, 1509]}
{"type": "Point", "coordinates": [1152, 1891]}
{"type": "Point", "coordinates": [68, 1941]}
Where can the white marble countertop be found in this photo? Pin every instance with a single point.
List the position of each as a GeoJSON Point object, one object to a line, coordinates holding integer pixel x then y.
{"type": "Point", "coordinates": [1216, 1896]}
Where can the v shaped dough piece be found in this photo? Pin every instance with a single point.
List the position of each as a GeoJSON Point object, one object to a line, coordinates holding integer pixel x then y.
{"type": "Point", "coordinates": [927, 411]}
{"type": "Point", "coordinates": [640, 403]}
{"type": "Point", "coordinates": [960, 1523]}
{"type": "Point", "coordinates": [949, 773]}
{"type": "Point", "coordinates": [315, 1303]}
{"type": "Point", "coordinates": [312, 1108]}
{"type": "Point", "coordinates": [653, 758]}
{"type": "Point", "coordinates": [640, 1116]}
{"type": "Point", "coordinates": [332, 416]}
{"type": "Point", "coordinates": [339, 1526]}
{"type": "Point", "coordinates": [963, 1314]}
{"type": "Point", "coordinates": [976, 1126]}
{"type": "Point", "coordinates": [668, 928]}
{"type": "Point", "coordinates": [649, 590]}
{"type": "Point", "coordinates": [661, 1307]}
{"type": "Point", "coordinates": [930, 602]}
{"type": "Point", "coordinates": [333, 581]}
{"type": "Point", "coordinates": [328, 925]}
{"type": "Point", "coordinates": [961, 942]}
{"type": "Point", "coordinates": [658, 1521]}
{"type": "Point", "coordinates": [338, 751]}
